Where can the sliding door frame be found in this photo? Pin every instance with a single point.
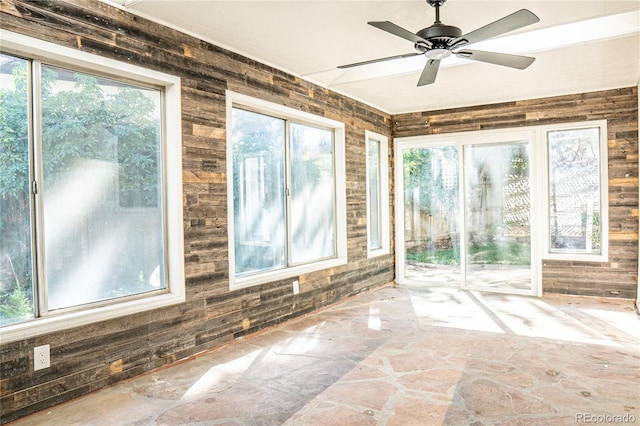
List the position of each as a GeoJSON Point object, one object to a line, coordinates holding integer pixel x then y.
{"type": "Point", "coordinates": [460, 140]}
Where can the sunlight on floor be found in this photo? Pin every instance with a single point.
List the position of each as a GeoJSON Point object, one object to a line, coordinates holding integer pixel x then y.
{"type": "Point", "coordinates": [300, 344]}
{"type": "Point", "coordinates": [374, 318]}
{"type": "Point", "coordinates": [530, 316]}
{"type": "Point", "coordinates": [523, 316]}
{"type": "Point", "coordinates": [620, 320]}
{"type": "Point", "coordinates": [221, 376]}
{"type": "Point", "coordinates": [452, 308]}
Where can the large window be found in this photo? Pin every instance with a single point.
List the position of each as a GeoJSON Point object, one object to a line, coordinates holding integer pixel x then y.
{"type": "Point", "coordinates": [377, 194]}
{"type": "Point", "coordinates": [287, 204]}
{"type": "Point", "coordinates": [83, 222]}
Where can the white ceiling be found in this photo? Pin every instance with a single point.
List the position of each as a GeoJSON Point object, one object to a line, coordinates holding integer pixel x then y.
{"type": "Point", "coordinates": [311, 38]}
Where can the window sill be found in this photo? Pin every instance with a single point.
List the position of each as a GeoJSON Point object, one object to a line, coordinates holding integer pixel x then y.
{"type": "Point", "coordinates": [576, 257]}
{"type": "Point", "coordinates": [377, 252]}
{"type": "Point", "coordinates": [281, 274]}
{"type": "Point", "coordinates": [66, 321]}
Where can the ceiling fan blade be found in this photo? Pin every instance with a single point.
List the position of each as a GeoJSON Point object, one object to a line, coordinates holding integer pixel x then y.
{"type": "Point", "coordinates": [373, 61]}
{"type": "Point", "coordinates": [392, 28]}
{"type": "Point", "coordinates": [516, 20]}
{"type": "Point", "coordinates": [504, 59]}
{"type": "Point", "coordinates": [429, 72]}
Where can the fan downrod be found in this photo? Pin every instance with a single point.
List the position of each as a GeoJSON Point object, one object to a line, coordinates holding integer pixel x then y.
{"type": "Point", "coordinates": [438, 33]}
{"type": "Point", "coordinates": [436, 4]}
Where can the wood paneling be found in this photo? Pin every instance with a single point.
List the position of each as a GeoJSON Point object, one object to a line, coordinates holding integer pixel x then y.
{"type": "Point", "coordinates": [87, 358]}
{"type": "Point", "coordinates": [618, 277]}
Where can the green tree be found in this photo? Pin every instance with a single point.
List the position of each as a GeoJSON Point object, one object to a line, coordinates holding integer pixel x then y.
{"type": "Point", "coordinates": [79, 120]}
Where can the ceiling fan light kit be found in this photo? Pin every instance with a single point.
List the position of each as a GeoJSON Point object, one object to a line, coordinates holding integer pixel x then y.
{"type": "Point", "coordinates": [439, 41]}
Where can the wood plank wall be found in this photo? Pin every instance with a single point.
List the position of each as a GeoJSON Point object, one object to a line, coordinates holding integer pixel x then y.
{"type": "Point", "coordinates": [617, 277]}
{"type": "Point", "coordinates": [88, 358]}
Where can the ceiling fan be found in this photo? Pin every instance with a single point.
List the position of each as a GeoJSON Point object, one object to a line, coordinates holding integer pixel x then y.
{"type": "Point", "coordinates": [440, 41]}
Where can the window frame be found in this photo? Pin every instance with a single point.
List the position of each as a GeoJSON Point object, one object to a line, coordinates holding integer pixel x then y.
{"type": "Point", "coordinates": [171, 160]}
{"type": "Point", "coordinates": [461, 141]}
{"type": "Point", "coordinates": [540, 203]}
{"type": "Point", "coordinates": [383, 194]}
{"type": "Point", "coordinates": [603, 168]}
{"type": "Point", "coordinates": [238, 100]}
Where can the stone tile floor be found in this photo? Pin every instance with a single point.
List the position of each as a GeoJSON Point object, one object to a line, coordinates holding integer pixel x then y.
{"type": "Point", "coordinates": [399, 356]}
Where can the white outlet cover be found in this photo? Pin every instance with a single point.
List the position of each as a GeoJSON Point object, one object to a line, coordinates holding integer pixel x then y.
{"type": "Point", "coordinates": [296, 287]}
{"type": "Point", "coordinates": [41, 357]}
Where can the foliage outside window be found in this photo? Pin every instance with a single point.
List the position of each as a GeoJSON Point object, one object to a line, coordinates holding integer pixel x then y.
{"type": "Point", "coordinates": [287, 208]}
{"type": "Point", "coordinates": [574, 191]}
{"type": "Point", "coordinates": [82, 185]}
{"type": "Point", "coordinates": [431, 195]}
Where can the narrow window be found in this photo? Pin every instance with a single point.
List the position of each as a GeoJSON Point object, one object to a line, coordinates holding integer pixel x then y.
{"type": "Point", "coordinates": [16, 254]}
{"type": "Point", "coordinates": [377, 185]}
{"type": "Point", "coordinates": [373, 193]}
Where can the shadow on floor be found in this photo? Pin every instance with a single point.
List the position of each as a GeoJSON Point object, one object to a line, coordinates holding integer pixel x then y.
{"type": "Point", "coordinates": [399, 356]}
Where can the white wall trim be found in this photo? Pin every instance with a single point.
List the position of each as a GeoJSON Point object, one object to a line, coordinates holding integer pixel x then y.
{"type": "Point", "coordinates": [238, 99]}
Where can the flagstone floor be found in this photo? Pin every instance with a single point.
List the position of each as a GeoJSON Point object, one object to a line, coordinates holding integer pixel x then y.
{"type": "Point", "coordinates": [399, 356]}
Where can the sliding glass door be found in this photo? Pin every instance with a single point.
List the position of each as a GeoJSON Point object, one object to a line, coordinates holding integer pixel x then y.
{"type": "Point", "coordinates": [431, 214]}
{"type": "Point", "coordinates": [465, 207]}
{"type": "Point", "coordinates": [497, 211]}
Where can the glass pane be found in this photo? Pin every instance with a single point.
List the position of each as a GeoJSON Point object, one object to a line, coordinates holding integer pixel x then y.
{"type": "Point", "coordinates": [373, 196]}
{"type": "Point", "coordinates": [258, 190]}
{"type": "Point", "coordinates": [102, 197]}
{"type": "Point", "coordinates": [431, 214]}
{"type": "Point", "coordinates": [313, 229]}
{"type": "Point", "coordinates": [16, 287]}
{"type": "Point", "coordinates": [574, 191]}
{"type": "Point", "coordinates": [497, 211]}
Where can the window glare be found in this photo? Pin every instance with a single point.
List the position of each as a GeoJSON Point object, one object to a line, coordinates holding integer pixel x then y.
{"type": "Point", "coordinates": [574, 191]}
{"type": "Point", "coordinates": [280, 169]}
{"type": "Point", "coordinates": [373, 176]}
{"type": "Point", "coordinates": [16, 289]}
{"type": "Point", "coordinates": [101, 190]}
{"type": "Point", "coordinates": [312, 194]}
{"type": "Point", "coordinates": [258, 188]}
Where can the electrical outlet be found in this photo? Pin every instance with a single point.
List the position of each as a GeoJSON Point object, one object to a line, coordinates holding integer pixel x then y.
{"type": "Point", "coordinates": [41, 357]}
{"type": "Point", "coordinates": [296, 287]}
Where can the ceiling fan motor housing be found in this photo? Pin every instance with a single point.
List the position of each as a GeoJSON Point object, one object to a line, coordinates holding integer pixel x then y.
{"type": "Point", "coordinates": [439, 35]}
{"type": "Point", "coordinates": [439, 31]}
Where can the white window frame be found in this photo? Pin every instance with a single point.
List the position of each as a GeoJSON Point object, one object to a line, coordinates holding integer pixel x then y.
{"type": "Point", "coordinates": [539, 171]}
{"type": "Point", "coordinates": [21, 45]}
{"type": "Point", "coordinates": [239, 100]}
{"type": "Point", "coordinates": [603, 256]}
{"type": "Point", "coordinates": [460, 140]}
{"type": "Point", "coordinates": [383, 196]}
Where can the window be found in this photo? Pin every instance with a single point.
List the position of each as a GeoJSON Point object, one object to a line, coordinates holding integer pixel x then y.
{"type": "Point", "coordinates": [576, 186]}
{"type": "Point", "coordinates": [287, 208]}
{"type": "Point", "coordinates": [86, 181]}
{"type": "Point", "coordinates": [466, 201]}
{"type": "Point", "coordinates": [377, 194]}
{"type": "Point", "coordinates": [500, 200]}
